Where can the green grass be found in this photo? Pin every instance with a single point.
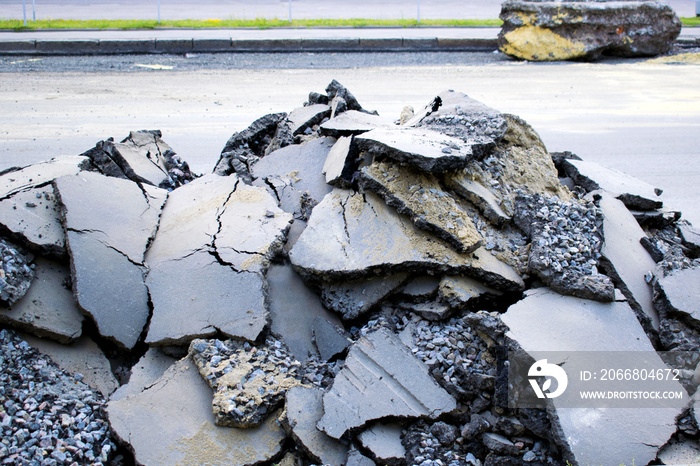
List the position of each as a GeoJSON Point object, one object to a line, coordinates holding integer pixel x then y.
{"type": "Point", "coordinates": [259, 23]}
{"type": "Point", "coordinates": [693, 21]}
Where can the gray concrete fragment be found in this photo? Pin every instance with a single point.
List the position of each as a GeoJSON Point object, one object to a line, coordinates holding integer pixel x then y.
{"type": "Point", "coordinates": [627, 260]}
{"type": "Point", "coordinates": [353, 298]}
{"type": "Point", "coordinates": [384, 441]}
{"type": "Point", "coordinates": [420, 288]}
{"type": "Point", "coordinates": [458, 291]}
{"type": "Point", "coordinates": [499, 444]}
{"type": "Point", "coordinates": [16, 273]}
{"type": "Point", "coordinates": [144, 373]}
{"type": "Point", "coordinates": [338, 166]}
{"type": "Point", "coordinates": [330, 339]}
{"type": "Point", "coordinates": [295, 311]}
{"type": "Point", "coordinates": [420, 196]}
{"type": "Point", "coordinates": [303, 409]}
{"type": "Point", "coordinates": [352, 235]}
{"type": "Point", "coordinates": [140, 157]}
{"type": "Point", "coordinates": [335, 89]}
{"type": "Point", "coordinates": [15, 180]}
{"type": "Point", "coordinates": [422, 148]}
{"type": "Point", "coordinates": [208, 299]}
{"type": "Point", "coordinates": [593, 436]}
{"type": "Point", "coordinates": [248, 382]}
{"type": "Point", "coordinates": [431, 310]}
{"type": "Point", "coordinates": [32, 219]}
{"type": "Point", "coordinates": [355, 458]}
{"type": "Point", "coordinates": [83, 357]}
{"type": "Point", "coordinates": [109, 222]}
{"type": "Point", "coordinates": [381, 378]}
{"type": "Point", "coordinates": [684, 452]}
{"type": "Point", "coordinates": [48, 309]}
{"type": "Point", "coordinates": [634, 193]}
{"type": "Point", "coordinates": [181, 402]}
{"type": "Point", "coordinates": [353, 122]}
{"type": "Point", "coordinates": [303, 118]}
{"type": "Point", "coordinates": [691, 237]}
{"type": "Point", "coordinates": [294, 174]}
{"type": "Point", "coordinates": [679, 293]}
{"type": "Point", "coordinates": [481, 196]}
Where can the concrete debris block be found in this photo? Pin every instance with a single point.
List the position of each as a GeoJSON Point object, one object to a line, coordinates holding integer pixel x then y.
{"type": "Point", "coordinates": [82, 358]}
{"type": "Point", "coordinates": [181, 402]}
{"type": "Point", "coordinates": [353, 122]}
{"type": "Point", "coordinates": [658, 219]}
{"type": "Point", "coordinates": [301, 120]}
{"type": "Point", "coordinates": [422, 148]}
{"type": "Point", "coordinates": [352, 235]}
{"type": "Point", "coordinates": [420, 196]}
{"type": "Point", "coordinates": [18, 179]}
{"type": "Point", "coordinates": [420, 288]}
{"type": "Point", "coordinates": [109, 222]}
{"type": "Point", "coordinates": [16, 273]}
{"type": "Point", "coordinates": [627, 262]}
{"type": "Point", "coordinates": [458, 115]}
{"type": "Point", "coordinates": [295, 313]}
{"type": "Point", "coordinates": [547, 31]}
{"type": "Point", "coordinates": [330, 339]}
{"type": "Point", "coordinates": [499, 444]}
{"type": "Point", "coordinates": [691, 238]}
{"type": "Point", "coordinates": [384, 442]}
{"type": "Point", "coordinates": [338, 106]}
{"type": "Point", "coordinates": [244, 148]}
{"type": "Point", "coordinates": [354, 298]}
{"type": "Point", "coordinates": [249, 382]}
{"type": "Point", "coordinates": [211, 298]}
{"type": "Point", "coordinates": [381, 378]}
{"type": "Point", "coordinates": [208, 228]}
{"type": "Point", "coordinates": [431, 310]}
{"type": "Point", "coordinates": [144, 373]}
{"type": "Point", "coordinates": [593, 436]}
{"type": "Point", "coordinates": [678, 452]}
{"type": "Point", "coordinates": [32, 219]}
{"type": "Point", "coordinates": [676, 294]}
{"type": "Point", "coordinates": [304, 408]}
{"type": "Point", "coordinates": [519, 163]}
{"type": "Point", "coordinates": [48, 309]}
{"type": "Point", "coordinates": [355, 458]}
{"type": "Point", "coordinates": [295, 175]}
{"type": "Point", "coordinates": [634, 193]}
{"type": "Point", "coordinates": [459, 291]}
{"type": "Point", "coordinates": [566, 245]}
{"type": "Point", "coordinates": [339, 166]}
{"type": "Point", "coordinates": [335, 89]}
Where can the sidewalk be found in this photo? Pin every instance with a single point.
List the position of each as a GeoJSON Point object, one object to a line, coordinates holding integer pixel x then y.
{"type": "Point", "coordinates": [179, 41]}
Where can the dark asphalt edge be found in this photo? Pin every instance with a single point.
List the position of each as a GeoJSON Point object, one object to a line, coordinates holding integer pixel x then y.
{"type": "Point", "coordinates": [182, 46]}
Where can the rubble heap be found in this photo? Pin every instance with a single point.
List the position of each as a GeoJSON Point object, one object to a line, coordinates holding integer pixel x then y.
{"type": "Point", "coordinates": [342, 289]}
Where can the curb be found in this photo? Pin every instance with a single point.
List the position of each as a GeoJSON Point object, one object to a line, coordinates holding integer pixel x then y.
{"type": "Point", "coordinates": [179, 46]}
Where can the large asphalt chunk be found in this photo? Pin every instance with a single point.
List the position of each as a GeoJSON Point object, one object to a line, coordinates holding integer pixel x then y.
{"type": "Point", "coordinates": [677, 294]}
{"type": "Point", "coordinates": [381, 378]}
{"type": "Point", "coordinates": [352, 235]}
{"type": "Point", "coordinates": [353, 122]}
{"type": "Point", "coordinates": [356, 297]}
{"type": "Point", "coordinates": [304, 408]}
{"type": "Point", "coordinates": [634, 193]}
{"type": "Point", "coordinates": [180, 403]}
{"type": "Point", "coordinates": [547, 321]}
{"type": "Point", "coordinates": [420, 196]}
{"type": "Point", "coordinates": [109, 222]}
{"type": "Point", "coordinates": [295, 175]}
{"type": "Point", "coordinates": [419, 147]}
{"type": "Point", "coordinates": [627, 262]}
{"type": "Point", "coordinates": [223, 233]}
{"type": "Point", "coordinates": [19, 179]}
{"type": "Point", "coordinates": [302, 119]}
{"type": "Point", "coordinates": [48, 309]}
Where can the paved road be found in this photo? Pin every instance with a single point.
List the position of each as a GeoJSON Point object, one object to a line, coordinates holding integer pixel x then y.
{"type": "Point", "coordinates": [250, 9]}
{"type": "Point", "coordinates": [634, 116]}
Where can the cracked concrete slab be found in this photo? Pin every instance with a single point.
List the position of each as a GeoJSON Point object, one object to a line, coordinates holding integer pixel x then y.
{"type": "Point", "coordinates": [330, 339]}
{"type": "Point", "coordinates": [294, 310]}
{"type": "Point", "coordinates": [351, 235]}
{"type": "Point", "coordinates": [32, 219]}
{"type": "Point", "coordinates": [384, 442]}
{"type": "Point", "coordinates": [48, 309]}
{"type": "Point", "coordinates": [353, 122]}
{"type": "Point", "coordinates": [109, 222]}
{"type": "Point", "coordinates": [19, 179]}
{"type": "Point", "coordinates": [381, 378]}
{"type": "Point", "coordinates": [677, 293]}
{"type": "Point", "coordinates": [339, 165]}
{"type": "Point", "coordinates": [421, 148]}
{"type": "Point", "coordinates": [304, 407]}
{"type": "Point", "coordinates": [211, 228]}
{"type": "Point", "coordinates": [302, 119]}
{"type": "Point", "coordinates": [354, 298]}
{"type": "Point", "coordinates": [420, 196]}
{"type": "Point", "coordinates": [459, 292]}
{"type": "Point", "coordinates": [140, 157]}
{"type": "Point", "coordinates": [593, 435]}
{"type": "Point", "coordinates": [181, 402]}
{"type": "Point", "coordinates": [295, 174]}
{"type": "Point", "coordinates": [144, 373]}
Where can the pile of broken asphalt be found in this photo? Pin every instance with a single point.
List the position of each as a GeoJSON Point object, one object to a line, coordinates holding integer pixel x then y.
{"type": "Point", "coordinates": [342, 289]}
